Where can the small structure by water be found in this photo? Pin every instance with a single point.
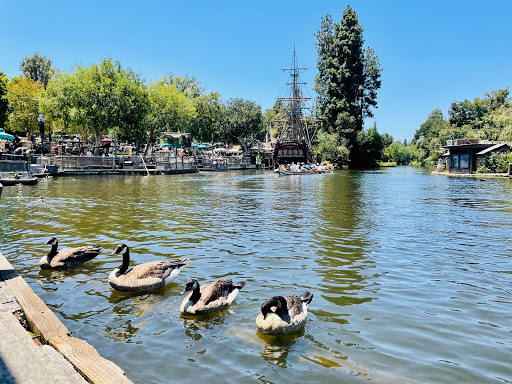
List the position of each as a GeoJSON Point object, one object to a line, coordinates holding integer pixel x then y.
{"type": "Point", "coordinates": [465, 156]}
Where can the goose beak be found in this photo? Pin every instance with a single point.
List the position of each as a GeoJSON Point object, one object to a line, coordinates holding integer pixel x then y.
{"type": "Point", "coordinates": [182, 292]}
{"type": "Point", "coordinates": [113, 253]}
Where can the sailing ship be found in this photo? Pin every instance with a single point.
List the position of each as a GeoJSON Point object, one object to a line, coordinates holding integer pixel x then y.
{"type": "Point", "coordinates": [293, 137]}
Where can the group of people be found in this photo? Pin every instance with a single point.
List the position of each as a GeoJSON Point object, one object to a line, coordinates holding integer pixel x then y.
{"type": "Point", "coordinates": [315, 168]}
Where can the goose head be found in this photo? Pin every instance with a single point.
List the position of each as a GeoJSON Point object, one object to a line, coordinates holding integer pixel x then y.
{"type": "Point", "coordinates": [120, 249]}
{"type": "Point", "coordinates": [51, 241]}
{"type": "Point", "coordinates": [190, 285]}
{"type": "Point", "coordinates": [277, 302]}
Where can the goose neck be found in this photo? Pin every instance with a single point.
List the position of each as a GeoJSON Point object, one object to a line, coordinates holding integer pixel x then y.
{"type": "Point", "coordinates": [196, 294]}
{"type": "Point", "coordinates": [53, 251]}
{"type": "Point", "coordinates": [126, 262]}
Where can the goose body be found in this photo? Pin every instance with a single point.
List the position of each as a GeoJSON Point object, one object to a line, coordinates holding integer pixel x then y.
{"type": "Point", "coordinates": [67, 257]}
{"type": "Point", "coordinates": [144, 277]}
{"type": "Point", "coordinates": [283, 314]}
{"type": "Point", "coordinates": [209, 297]}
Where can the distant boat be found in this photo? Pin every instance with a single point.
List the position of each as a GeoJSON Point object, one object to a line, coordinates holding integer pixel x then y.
{"type": "Point", "coordinates": [15, 179]}
{"type": "Point", "coordinates": [283, 171]}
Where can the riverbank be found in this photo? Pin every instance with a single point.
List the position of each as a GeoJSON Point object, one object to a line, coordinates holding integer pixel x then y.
{"type": "Point", "coordinates": [35, 345]}
{"type": "Point", "coordinates": [473, 175]}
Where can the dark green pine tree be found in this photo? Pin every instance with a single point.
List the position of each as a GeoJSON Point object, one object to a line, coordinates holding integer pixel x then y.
{"type": "Point", "coordinates": [348, 79]}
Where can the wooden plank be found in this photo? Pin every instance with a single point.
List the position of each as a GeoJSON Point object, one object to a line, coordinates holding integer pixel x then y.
{"type": "Point", "coordinates": [87, 361]}
{"type": "Point", "coordinates": [41, 319]}
{"type": "Point", "coordinates": [8, 302]}
{"type": "Point", "coordinates": [54, 358]}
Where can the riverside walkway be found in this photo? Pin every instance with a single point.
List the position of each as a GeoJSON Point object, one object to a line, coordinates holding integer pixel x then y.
{"type": "Point", "coordinates": [35, 346]}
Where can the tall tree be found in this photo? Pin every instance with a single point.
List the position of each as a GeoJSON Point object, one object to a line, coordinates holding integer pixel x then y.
{"type": "Point", "coordinates": [4, 101]}
{"type": "Point", "coordinates": [38, 68]}
{"type": "Point", "coordinates": [348, 78]}
{"type": "Point", "coordinates": [24, 94]}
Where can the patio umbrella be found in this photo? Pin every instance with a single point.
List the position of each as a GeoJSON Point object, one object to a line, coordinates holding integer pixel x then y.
{"type": "Point", "coordinates": [5, 136]}
{"type": "Point", "coordinates": [165, 145]}
{"type": "Point", "coordinates": [106, 140]}
{"type": "Point", "coordinates": [199, 146]}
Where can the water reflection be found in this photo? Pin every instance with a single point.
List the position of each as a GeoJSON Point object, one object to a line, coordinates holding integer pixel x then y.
{"type": "Point", "coordinates": [343, 244]}
{"type": "Point", "coordinates": [277, 347]}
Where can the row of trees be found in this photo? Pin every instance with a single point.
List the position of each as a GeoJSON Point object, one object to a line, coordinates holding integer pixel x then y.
{"type": "Point", "coordinates": [488, 118]}
{"type": "Point", "coordinates": [106, 99]}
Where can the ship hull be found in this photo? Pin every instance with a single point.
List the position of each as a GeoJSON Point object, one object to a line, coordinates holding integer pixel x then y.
{"type": "Point", "coordinates": [292, 151]}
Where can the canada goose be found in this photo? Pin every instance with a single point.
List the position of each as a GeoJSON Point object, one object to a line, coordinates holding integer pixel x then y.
{"type": "Point", "coordinates": [283, 314]}
{"type": "Point", "coordinates": [41, 199]}
{"type": "Point", "coordinates": [143, 277]}
{"type": "Point", "coordinates": [208, 297]}
{"type": "Point", "coordinates": [67, 257]}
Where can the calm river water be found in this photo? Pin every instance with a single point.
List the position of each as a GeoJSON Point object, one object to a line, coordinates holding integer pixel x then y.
{"type": "Point", "coordinates": [411, 273]}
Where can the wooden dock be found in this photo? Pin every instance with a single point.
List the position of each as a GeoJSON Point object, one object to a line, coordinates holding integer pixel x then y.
{"type": "Point", "coordinates": [58, 357]}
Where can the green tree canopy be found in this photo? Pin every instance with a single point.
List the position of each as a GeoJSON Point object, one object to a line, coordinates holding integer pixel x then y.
{"type": "Point", "coordinates": [208, 107]}
{"type": "Point", "coordinates": [38, 68]}
{"type": "Point", "coordinates": [99, 98]}
{"type": "Point", "coordinates": [24, 95]}
{"type": "Point", "coordinates": [240, 121]}
{"type": "Point", "coordinates": [170, 110]}
{"type": "Point", "coordinates": [4, 101]}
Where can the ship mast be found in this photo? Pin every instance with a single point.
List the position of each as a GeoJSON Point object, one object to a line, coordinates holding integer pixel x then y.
{"type": "Point", "coordinates": [295, 120]}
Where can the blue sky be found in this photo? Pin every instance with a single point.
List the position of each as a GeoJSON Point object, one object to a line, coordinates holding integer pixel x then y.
{"type": "Point", "coordinates": [432, 53]}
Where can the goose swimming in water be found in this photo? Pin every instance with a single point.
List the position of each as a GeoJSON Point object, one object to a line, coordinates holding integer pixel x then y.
{"type": "Point", "coordinates": [208, 297]}
{"type": "Point", "coordinates": [67, 257]}
{"type": "Point", "coordinates": [143, 277]}
{"type": "Point", "coordinates": [283, 314]}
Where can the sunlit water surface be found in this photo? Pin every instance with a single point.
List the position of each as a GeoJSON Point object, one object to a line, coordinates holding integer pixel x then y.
{"type": "Point", "coordinates": [411, 273]}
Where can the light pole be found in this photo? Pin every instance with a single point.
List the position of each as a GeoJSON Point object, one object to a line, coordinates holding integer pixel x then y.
{"type": "Point", "coordinates": [41, 120]}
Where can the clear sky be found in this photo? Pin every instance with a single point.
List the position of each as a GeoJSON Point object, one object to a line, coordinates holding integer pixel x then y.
{"type": "Point", "coordinates": [432, 52]}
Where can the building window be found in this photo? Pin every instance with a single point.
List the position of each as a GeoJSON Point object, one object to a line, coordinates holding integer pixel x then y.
{"type": "Point", "coordinates": [464, 160]}
{"type": "Point", "coordinates": [454, 161]}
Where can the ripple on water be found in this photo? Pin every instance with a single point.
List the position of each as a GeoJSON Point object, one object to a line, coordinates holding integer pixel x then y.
{"type": "Point", "coordinates": [410, 273]}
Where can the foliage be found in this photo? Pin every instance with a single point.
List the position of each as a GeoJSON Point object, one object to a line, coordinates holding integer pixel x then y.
{"type": "Point", "coordinates": [369, 148]}
{"type": "Point", "coordinates": [24, 95]}
{"type": "Point", "coordinates": [190, 86]}
{"type": "Point", "coordinates": [38, 68]}
{"type": "Point", "coordinates": [483, 169]}
{"type": "Point", "coordinates": [330, 149]}
{"type": "Point", "coordinates": [397, 152]}
{"type": "Point", "coordinates": [4, 101]}
{"type": "Point", "coordinates": [240, 121]}
{"type": "Point", "coordinates": [498, 162]}
{"type": "Point", "coordinates": [98, 98]}
{"type": "Point", "coordinates": [170, 110]}
{"type": "Point", "coordinates": [207, 107]}
{"type": "Point", "coordinates": [348, 79]}
{"type": "Point", "coordinates": [277, 112]}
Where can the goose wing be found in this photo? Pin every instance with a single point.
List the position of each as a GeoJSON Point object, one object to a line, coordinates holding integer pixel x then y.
{"type": "Point", "coordinates": [294, 305]}
{"type": "Point", "coordinates": [216, 290]}
{"type": "Point", "coordinates": [157, 269]}
{"type": "Point", "coordinates": [78, 255]}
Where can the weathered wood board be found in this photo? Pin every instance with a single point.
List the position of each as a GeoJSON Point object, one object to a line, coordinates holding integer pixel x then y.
{"type": "Point", "coordinates": [43, 322]}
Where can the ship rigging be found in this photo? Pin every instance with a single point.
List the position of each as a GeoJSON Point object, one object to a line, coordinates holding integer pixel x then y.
{"type": "Point", "coordinates": [293, 136]}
